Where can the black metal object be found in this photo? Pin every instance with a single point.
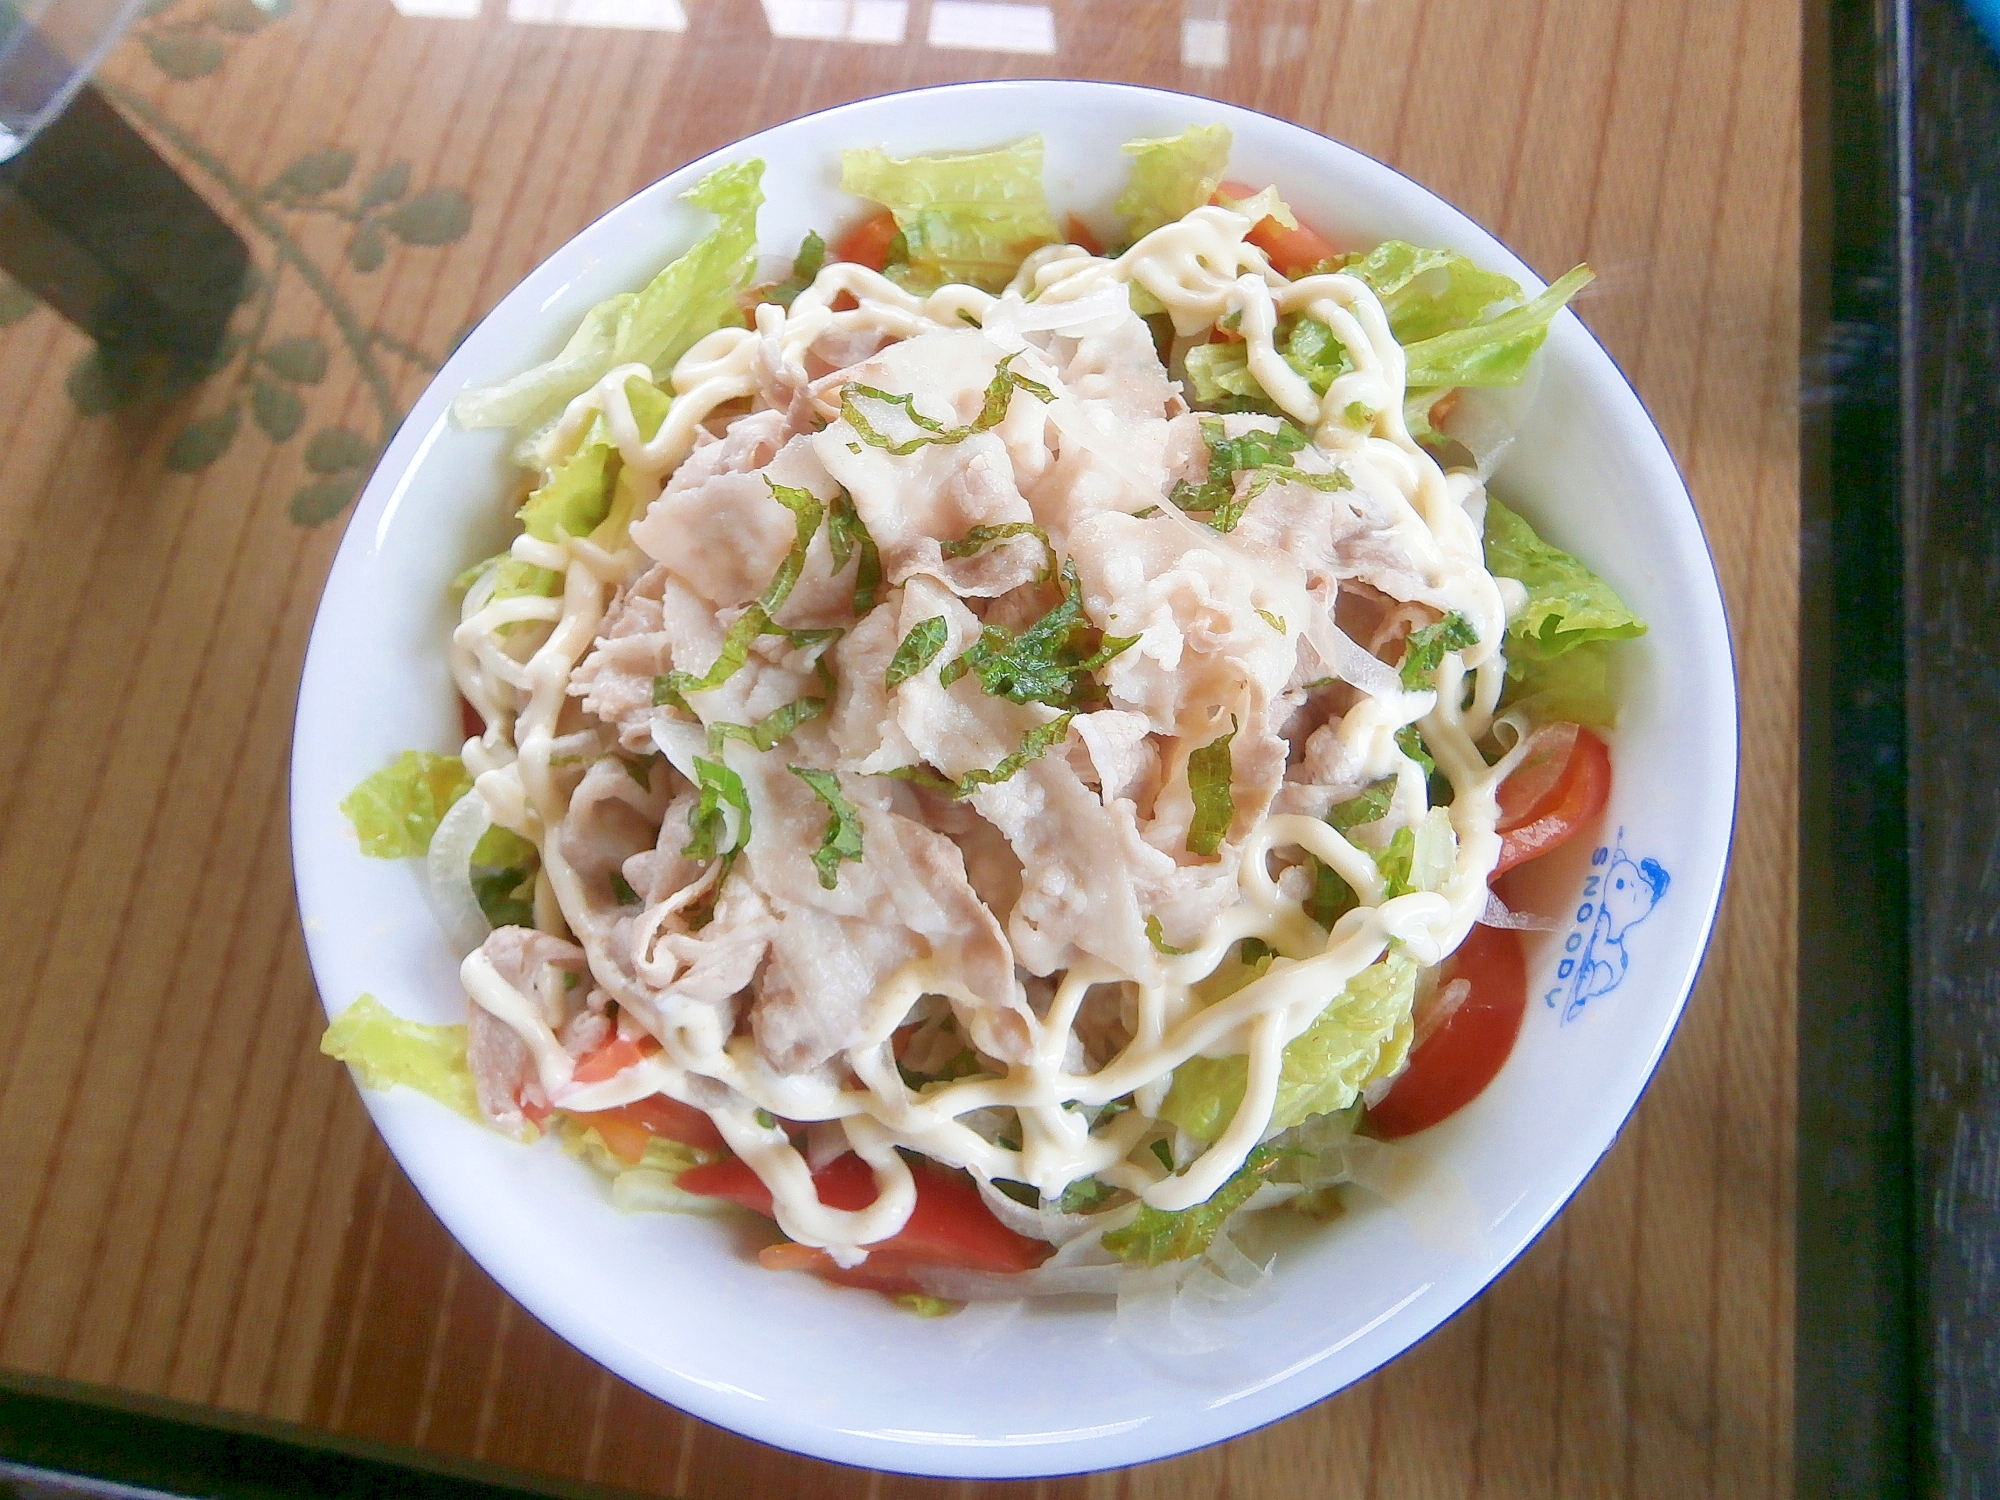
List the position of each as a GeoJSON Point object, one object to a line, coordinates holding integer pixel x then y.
{"type": "Point", "coordinates": [95, 224]}
{"type": "Point", "coordinates": [1899, 1039]}
{"type": "Point", "coordinates": [1951, 640]}
{"type": "Point", "coordinates": [190, 1451]}
{"type": "Point", "coordinates": [1853, 1365]}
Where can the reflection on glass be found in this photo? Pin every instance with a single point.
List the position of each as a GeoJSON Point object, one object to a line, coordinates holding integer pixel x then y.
{"type": "Point", "coordinates": [627, 15]}
{"type": "Point", "coordinates": [47, 49]}
{"type": "Point", "coordinates": [838, 20]}
{"type": "Point", "coordinates": [987, 26]}
{"type": "Point", "coordinates": [1204, 42]}
{"type": "Point", "coordinates": [438, 10]}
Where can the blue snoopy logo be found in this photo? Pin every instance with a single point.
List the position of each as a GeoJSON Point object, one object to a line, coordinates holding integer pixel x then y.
{"type": "Point", "coordinates": [1618, 895]}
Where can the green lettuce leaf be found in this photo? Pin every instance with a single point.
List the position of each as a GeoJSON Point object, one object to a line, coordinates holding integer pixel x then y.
{"type": "Point", "coordinates": [968, 217]}
{"type": "Point", "coordinates": [397, 810]}
{"type": "Point", "coordinates": [1363, 1035]}
{"type": "Point", "coordinates": [384, 1050]}
{"type": "Point", "coordinates": [806, 265]}
{"type": "Point", "coordinates": [1428, 292]}
{"type": "Point", "coordinates": [842, 839]}
{"type": "Point", "coordinates": [1568, 605]}
{"type": "Point", "coordinates": [1171, 177]}
{"type": "Point", "coordinates": [512, 579]}
{"type": "Point", "coordinates": [1573, 688]}
{"type": "Point", "coordinates": [1157, 1236]}
{"type": "Point", "coordinates": [1220, 371]}
{"type": "Point", "coordinates": [688, 300]}
{"type": "Point", "coordinates": [1493, 352]}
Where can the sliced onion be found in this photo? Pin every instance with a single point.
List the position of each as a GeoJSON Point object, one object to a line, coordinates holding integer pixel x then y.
{"type": "Point", "coordinates": [1433, 1200]}
{"type": "Point", "coordinates": [1050, 1224]}
{"type": "Point", "coordinates": [1349, 661]}
{"type": "Point", "coordinates": [1497, 915]}
{"type": "Point", "coordinates": [1487, 418]}
{"type": "Point", "coordinates": [1098, 312]}
{"type": "Point", "coordinates": [449, 868]}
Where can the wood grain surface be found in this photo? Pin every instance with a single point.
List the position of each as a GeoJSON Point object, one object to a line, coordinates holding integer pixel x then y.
{"type": "Point", "coordinates": [192, 1203]}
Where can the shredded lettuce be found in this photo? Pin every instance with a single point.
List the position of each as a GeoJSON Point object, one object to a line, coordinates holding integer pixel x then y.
{"type": "Point", "coordinates": [397, 810]}
{"type": "Point", "coordinates": [807, 512]}
{"type": "Point", "coordinates": [721, 791]}
{"type": "Point", "coordinates": [1157, 1236]}
{"type": "Point", "coordinates": [929, 430]}
{"type": "Point", "coordinates": [968, 217]}
{"type": "Point", "coordinates": [982, 537]}
{"type": "Point", "coordinates": [766, 733]}
{"type": "Point", "coordinates": [847, 534]}
{"type": "Point", "coordinates": [688, 300]}
{"type": "Point", "coordinates": [1210, 784]}
{"type": "Point", "coordinates": [1259, 452]}
{"type": "Point", "coordinates": [917, 650]}
{"type": "Point", "coordinates": [1568, 605]}
{"type": "Point", "coordinates": [842, 839]}
{"type": "Point", "coordinates": [1049, 662]}
{"type": "Point", "coordinates": [1362, 1036]}
{"type": "Point", "coordinates": [1171, 177]}
{"type": "Point", "coordinates": [384, 1050]}
{"type": "Point", "coordinates": [1034, 744]}
{"type": "Point", "coordinates": [1425, 651]}
{"type": "Point", "coordinates": [1156, 934]}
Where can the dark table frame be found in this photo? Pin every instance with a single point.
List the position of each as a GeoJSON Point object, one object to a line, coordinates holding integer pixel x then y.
{"type": "Point", "coordinates": [1898, 1353]}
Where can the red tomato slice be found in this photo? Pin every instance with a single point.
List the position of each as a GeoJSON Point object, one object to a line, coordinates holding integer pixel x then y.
{"type": "Point", "coordinates": [1293, 252]}
{"type": "Point", "coordinates": [1458, 1060]}
{"type": "Point", "coordinates": [867, 243]}
{"type": "Point", "coordinates": [884, 1271]}
{"type": "Point", "coordinates": [1565, 780]}
{"type": "Point", "coordinates": [1079, 233]}
{"type": "Point", "coordinates": [614, 1057]}
{"type": "Point", "coordinates": [627, 1128]}
{"type": "Point", "coordinates": [469, 722]}
{"type": "Point", "coordinates": [950, 1225]}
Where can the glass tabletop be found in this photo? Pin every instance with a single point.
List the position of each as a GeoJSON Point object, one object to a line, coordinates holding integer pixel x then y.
{"type": "Point", "coordinates": [195, 1205]}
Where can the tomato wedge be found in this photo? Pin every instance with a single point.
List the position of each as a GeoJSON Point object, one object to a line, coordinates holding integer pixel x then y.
{"type": "Point", "coordinates": [950, 1225]}
{"type": "Point", "coordinates": [867, 243]}
{"type": "Point", "coordinates": [1455, 1063]}
{"type": "Point", "coordinates": [1080, 233]}
{"type": "Point", "coordinates": [611, 1058]}
{"type": "Point", "coordinates": [1293, 252]}
{"type": "Point", "coordinates": [626, 1128]}
{"type": "Point", "coordinates": [1558, 789]}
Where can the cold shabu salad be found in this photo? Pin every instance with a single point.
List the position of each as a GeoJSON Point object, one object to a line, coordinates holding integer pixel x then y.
{"type": "Point", "coordinates": [993, 742]}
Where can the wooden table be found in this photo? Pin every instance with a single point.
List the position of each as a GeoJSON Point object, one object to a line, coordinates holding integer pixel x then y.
{"type": "Point", "coordinates": [192, 1202]}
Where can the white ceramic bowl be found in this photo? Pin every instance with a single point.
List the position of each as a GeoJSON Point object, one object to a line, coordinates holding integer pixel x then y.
{"type": "Point", "coordinates": [675, 1304]}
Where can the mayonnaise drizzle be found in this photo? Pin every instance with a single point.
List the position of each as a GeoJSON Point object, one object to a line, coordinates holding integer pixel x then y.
{"type": "Point", "coordinates": [1199, 269]}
